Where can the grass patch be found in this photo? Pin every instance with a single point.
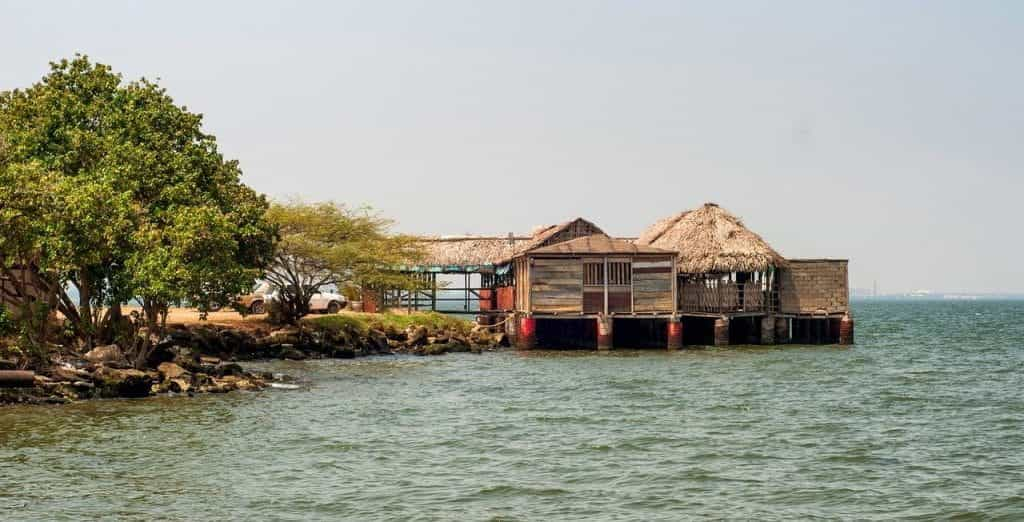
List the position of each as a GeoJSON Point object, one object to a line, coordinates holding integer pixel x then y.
{"type": "Point", "coordinates": [361, 324]}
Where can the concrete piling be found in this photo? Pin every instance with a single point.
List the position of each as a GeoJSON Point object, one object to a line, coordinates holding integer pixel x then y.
{"type": "Point", "coordinates": [604, 332]}
{"type": "Point", "coordinates": [722, 331]}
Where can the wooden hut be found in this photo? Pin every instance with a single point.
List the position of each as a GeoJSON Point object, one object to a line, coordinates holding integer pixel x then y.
{"type": "Point", "coordinates": [595, 278]}
{"type": "Point", "coordinates": [483, 263]}
{"type": "Point", "coordinates": [725, 270]}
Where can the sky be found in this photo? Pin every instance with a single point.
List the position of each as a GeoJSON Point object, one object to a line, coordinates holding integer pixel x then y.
{"type": "Point", "coordinates": [885, 132]}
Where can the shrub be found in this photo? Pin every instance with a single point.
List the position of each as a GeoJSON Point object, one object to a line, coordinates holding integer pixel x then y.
{"type": "Point", "coordinates": [7, 325]}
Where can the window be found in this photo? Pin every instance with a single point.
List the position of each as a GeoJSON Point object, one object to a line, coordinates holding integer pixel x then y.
{"type": "Point", "coordinates": [593, 274]}
{"type": "Point", "coordinates": [619, 273]}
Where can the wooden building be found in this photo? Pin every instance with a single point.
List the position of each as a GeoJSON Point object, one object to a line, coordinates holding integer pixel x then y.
{"type": "Point", "coordinates": [729, 274]}
{"type": "Point", "coordinates": [593, 277]}
{"type": "Point", "coordinates": [702, 272]}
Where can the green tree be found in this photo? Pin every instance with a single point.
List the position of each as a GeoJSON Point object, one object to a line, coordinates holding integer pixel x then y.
{"type": "Point", "coordinates": [326, 244]}
{"type": "Point", "coordinates": [134, 199]}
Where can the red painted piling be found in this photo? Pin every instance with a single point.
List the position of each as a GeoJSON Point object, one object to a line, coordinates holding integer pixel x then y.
{"type": "Point", "coordinates": [526, 336]}
{"type": "Point", "coordinates": [675, 334]}
{"type": "Point", "coordinates": [846, 330]}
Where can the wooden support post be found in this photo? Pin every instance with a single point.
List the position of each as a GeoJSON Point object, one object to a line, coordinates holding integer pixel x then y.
{"type": "Point", "coordinates": [722, 331]}
{"type": "Point", "coordinates": [767, 330]}
{"type": "Point", "coordinates": [512, 328]}
{"type": "Point", "coordinates": [527, 334]}
{"type": "Point", "coordinates": [604, 332]}
{"type": "Point", "coordinates": [846, 330]}
{"type": "Point", "coordinates": [781, 330]}
{"type": "Point", "coordinates": [433, 292]}
{"type": "Point", "coordinates": [675, 334]}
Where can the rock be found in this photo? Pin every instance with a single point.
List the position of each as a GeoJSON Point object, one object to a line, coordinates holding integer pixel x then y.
{"type": "Point", "coordinates": [343, 353]}
{"type": "Point", "coordinates": [66, 373]}
{"type": "Point", "coordinates": [179, 385]}
{"type": "Point", "coordinates": [378, 341]}
{"type": "Point", "coordinates": [417, 336]}
{"type": "Point", "coordinates": [171, 371]}
{"type": "Point", "coordinates": [209, 360]}
{"type": "Point", "coordinates": [290, 352]}
{"type": "Point", "coordinates": [112, 382]}
{"type": "Point", "coordinates": [284, 336]}
{"type": "Point", "coordinates": [104, 354]}
{"type": "Point", "coordinates": [228, 369]}
{"type": "Point", "coordinates": [202, 379]}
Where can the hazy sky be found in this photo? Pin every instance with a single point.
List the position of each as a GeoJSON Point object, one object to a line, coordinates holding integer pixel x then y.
{"type": "Point", "coordinates": [888, 132]}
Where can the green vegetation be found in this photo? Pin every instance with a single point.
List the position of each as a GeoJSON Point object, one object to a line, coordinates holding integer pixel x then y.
{"type": "Point", "coordinates": [7, 324]}
{"type": "Point", "coordinates": [361, 324]}
{"type": "Point", "coordinates": [326, 244]}
{"type": "Point", "coordinates": [110, 192]}
{"type": "Point", "coordinates": [112, 187]}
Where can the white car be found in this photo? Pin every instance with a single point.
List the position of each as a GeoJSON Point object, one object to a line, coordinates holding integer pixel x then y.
{"type": "Point", "coordinates": [327, 302]}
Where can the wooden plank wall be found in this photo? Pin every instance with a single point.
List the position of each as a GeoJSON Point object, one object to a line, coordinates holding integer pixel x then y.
{"type": "Point", "coordinates": [522, 278]}
{"type": "Point", "coordinates": [652, 286]}
{"type": "Point", "coordinates": [556, 285]}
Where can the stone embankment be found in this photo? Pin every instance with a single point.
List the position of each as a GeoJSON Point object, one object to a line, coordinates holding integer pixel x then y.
{"type": "Point", "coordinates": [201, 358]}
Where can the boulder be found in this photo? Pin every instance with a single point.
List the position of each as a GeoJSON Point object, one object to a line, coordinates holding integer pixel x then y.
{"type": "Point", "coordinates": [104, 354]}
{"type": "Point", "coordinates": [417, 335]}
{"type": "Point", "coordinates": [343, 353]}
{"type": "Point", "coordinates": [284, 336]}
{"type": "Point", "coordinates": [378, 341]}
{"type": "Point", "coordinates": [112, 382]}
{"type": "Point", "coordinates": [67, 373]}
{"type": "Point", "coordinates": [179, 385]}
{"type": "Point", "coordinates": [171, 371]}
{"type": "Point", "coordinates": [290, 352]}
{"type": "Point", "coordinates": [228, 369]}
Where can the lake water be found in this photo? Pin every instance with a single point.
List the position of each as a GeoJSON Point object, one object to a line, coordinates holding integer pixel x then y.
{"type": "Point", "coordinates": [923, 419]}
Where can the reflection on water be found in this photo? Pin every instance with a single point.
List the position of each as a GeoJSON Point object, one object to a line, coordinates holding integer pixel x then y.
{"type": "Point", "coordinates": [922, 419]}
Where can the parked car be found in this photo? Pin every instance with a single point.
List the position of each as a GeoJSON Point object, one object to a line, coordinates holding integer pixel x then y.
{"type": "Point", "coordinates": [256, 301]}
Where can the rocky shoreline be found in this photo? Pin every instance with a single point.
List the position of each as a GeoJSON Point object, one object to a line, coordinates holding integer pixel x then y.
{"type": "Point", "coordinates": [203, 358]}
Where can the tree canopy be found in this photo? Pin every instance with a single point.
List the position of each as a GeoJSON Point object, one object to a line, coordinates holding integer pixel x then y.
{"type": "Point", "coordinates": [113, 187]}
{"type": "Point", "coordinates": [327, 244]}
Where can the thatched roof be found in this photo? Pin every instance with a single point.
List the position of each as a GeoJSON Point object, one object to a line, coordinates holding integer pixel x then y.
{"type": "Point", "coordinates": [711, 240]}
{"type": "Point", "coordinates": [599, 244]}
{"type": "Point", "coordinates": [470, 250]}
{"type": "Point", "coordinates": [495, 250]}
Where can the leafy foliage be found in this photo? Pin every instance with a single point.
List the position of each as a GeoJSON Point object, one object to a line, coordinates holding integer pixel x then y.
{"type": "Point", "coordinates": [113, 187]}
{"type": "Point", "coordinates": [326, 244]}
{"type": "Point", "coordinates": [360, 324]}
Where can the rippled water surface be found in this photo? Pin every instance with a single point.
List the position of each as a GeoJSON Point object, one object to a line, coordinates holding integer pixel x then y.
{"type": "Point", "coordinates": [922, 419]}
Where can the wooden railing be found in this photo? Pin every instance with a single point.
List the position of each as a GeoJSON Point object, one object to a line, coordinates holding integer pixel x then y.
{"type": "Point", "coordinates": [720, 297]}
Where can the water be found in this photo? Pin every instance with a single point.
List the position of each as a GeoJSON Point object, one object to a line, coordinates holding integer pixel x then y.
{"type": "Point", "coordinates": [921, 420]}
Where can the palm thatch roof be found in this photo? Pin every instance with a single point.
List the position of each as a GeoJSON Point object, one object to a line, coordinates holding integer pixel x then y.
{"type": "Point", "coordinates": [496, 250]}
{"type": "Point", "coordinates": [711, 240]}
{"type": "Point", "coordinates": [470, 250]}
